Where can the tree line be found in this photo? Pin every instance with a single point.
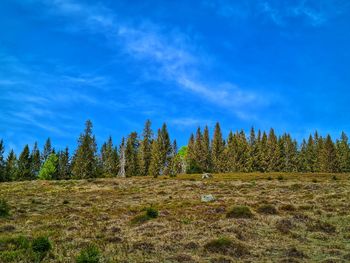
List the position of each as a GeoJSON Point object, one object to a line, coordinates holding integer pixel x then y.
{"type": "Point", "coordinates": [155, 154]}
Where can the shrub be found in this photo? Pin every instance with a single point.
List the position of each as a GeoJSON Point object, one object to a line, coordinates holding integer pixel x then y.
{"type": "Point", "coordinates": [226, 246]}
{"type": "Point", "coordinates": [267, 209]}
{"type": "Point", "coordinates": [152, 212]}
{"type": "Point", "coordinates": [65, 202]}
{"type": "Point", "coordinates": [90, 254]}
{"type": "Point", "coordinates": [41, 245]}
{"type": "Point", "coordinates": [240, 212]}
{"type": "Point", "coordinates": [4, 208]}
{"type": "Point", "coordinates": [280, 178]}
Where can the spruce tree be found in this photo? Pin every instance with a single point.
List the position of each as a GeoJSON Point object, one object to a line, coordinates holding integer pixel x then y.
{"type": "Point", "coordinates": [85, 160]}
{"type": "Point", "coordinates": [199, 158]}
{"type": "Point", "coordinates": [263, 154]}
{"type": "Point", "coordinates": [191, 165]}
{"type": "Point", "coordinates": [207, 163]}
{"type": "Point", "coordinates": [122, 159]}
{"type": "Point", "coordinates": [64, 165]}
{"type": "Point", "coordinates": [3, 175]}
{"type": "Point", "coordinates": [343, 153]}
{"type": "Point", "coordinates": [109, 159]}
{"type": "Point", "coordinates": [272, 152]}
{"type": "Point", "coordinates": [165, 148]}
{"type": "Point", "coordinates": [175, 163]}
{"type": "Point", "coordinates": [217, 151]}
{"type": "Point", "coordinates": [11, 167]}
{"type": "Point", "coordinates": [145, 148]}
{"type": "Point", "coordinates": [24, 165]}
{"type": "Point", "coordinates": [156, 165]}
{"type": "Point", "coordinates": [328, 158]}
{"type": "Point", "coordinates": [36, 160]}
{"type": "Point", "coordinates": [47, 150]}
{"type": "Point", "coordinates": [311, 155]}
{"type": "Point", "coordinates": [253, 145]}
{"type": "Point", "coordinates": [132, 167]}
{"type": "Point", "coordinates": [302, 157]}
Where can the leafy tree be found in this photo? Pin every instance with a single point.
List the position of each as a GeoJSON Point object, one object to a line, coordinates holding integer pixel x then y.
{"type": "Point", "coordinates": [49, 169]}
{"type": "Point", "coordinates": [132, 167]}
{"type": "Point", "coordinates": [36, 160]}
{"type": "Point", "coordinates": [24, 165]}
{"type": "Point", "coordinates": [3, 176]}
{"type": "Point", "coordinates": [85, 160]}
{"type": "Point", "coordinates": [217, 150]}
{"type": "Point", "coordinates": [182, 153]}
{"type": "Point", "coordinates": [109, 159]}
{"type": "Point", "coordinates": [64, 165]}
{"type": "Point", "coordinates": [146, 148]}
{"type": "Point", "coordinates": [11, 168]}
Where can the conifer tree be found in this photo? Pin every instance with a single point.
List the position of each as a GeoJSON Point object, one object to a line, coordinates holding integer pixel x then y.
{"type": "Point", "coordinates": [175, 163]}
{"type": "Point", "coordinates": [47, 150]}
{"type": "Point", "coordinates": [207, 164]}
{"type": "Point", "coordinates": [64, 165]}
{"type": "Point", "coordinates": [3, 176]}
{"type": "Point", "coordinates": [263, 154]}
{"type": "Point", "coordinates": [199, 158]}
{"type": "Point", "coordinates": [328, 158]}
{"type": "Point", "coordinates": [85, 160]}
{"type": "Point", "coordinates": [156, 165]}
{"type": "Point", "coordinates": [288, 156]}
{"type": "Point", "coordinates": [254, 150]}
{"type": "Point", "coordinates": [272, 152]}
{"type": "Point", "coordinates": [244, 161]}
{"type": "Point", "coordinates": [132, 167]}
{"type": "Point", "coordinates": [191, 165]}
{"type": "Point", "coordinates": [146, 148]}
{"type": "Point", "coordinates": [311, 155]}
{"type": "Point", "coordinates": [109, 159]}
{"type": "Point", "coordinates": [36, 160]}
{"type": "Point", "coordinates": [11, 169]}
{"type": "Point", "coordinates": [343, 153]}
{"type": "Point", "coordinates": [217, 151]}
{"type": "Point", "coordinates": [231, 153]}
{"type": "Point", "coordinates": [302, 157]}
{"type": "Point", "coordinates": [165, 147]}
{"type": "Point", "coordinates": [24, 165]}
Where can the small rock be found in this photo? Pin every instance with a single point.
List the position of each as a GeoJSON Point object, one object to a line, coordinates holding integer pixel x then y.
{"type": "Point", "coordinates": [207, 176]}
{"type": "Point", "coordinates": [208, 198]}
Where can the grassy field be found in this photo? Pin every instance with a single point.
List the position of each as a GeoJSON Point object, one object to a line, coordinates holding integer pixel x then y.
{"type": "Point", "coordinates": [255, 218]}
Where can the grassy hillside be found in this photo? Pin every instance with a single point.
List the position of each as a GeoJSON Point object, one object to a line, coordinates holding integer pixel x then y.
{"type": "Point", "coordinates": [255, 218]}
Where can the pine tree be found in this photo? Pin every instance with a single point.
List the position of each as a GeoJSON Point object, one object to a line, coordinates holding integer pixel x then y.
{"type": "Point", "coordinates": [191, 164]}
{"type": "Point", "coordinates": [272, 152]}
{"type": "Point", "coordinates": [3, 175]}
{"type": "Point", "coordinates": [263, 156]}
{"type": "Point", "coordinates": [328, 158]}
{"type": "Point", "coordinates": [302, 157]}
{"type": "Point", "coordinates": [24, 165]}
{"type": "Point", "coordinates": [207, 163]}
{"type": "Point", "coordinates": [288, 157]}
{"type": "Point", "coordinates": [36, 160]}
{"type": "Point", "coordinates": [199, 158]}
{"type": "Point", "coordinates": [311, 155]}
{"type": "Point", "coordinates": [109, 159]}
{"type": "Point", "coordinates": [132, 167]}
{"type": "Point", "coordinates": [244, 161]}
{"type": "Point", "coordinates": [85, 160]}
{"type": "Point", "coordinates": [11, 167]}
{"type": "Point", "coordinates": [47, 150]}
{"type": "Point", "coordinates": [48, 170]}
{"type": "Point", "coordinates": [175, 163]}
{"type": "Point", "coordinates": [343, 153]}
{"type": "Point", "coordinates": [165, 148]}
{"type": "Point", "coordinates": [64, 165]}
{"type": "Point", "coordinates": [145, 148]}
{"type": "Point", "coordinates": [156, 165]}
{"type": "Point", "coordinates": [217, 151]}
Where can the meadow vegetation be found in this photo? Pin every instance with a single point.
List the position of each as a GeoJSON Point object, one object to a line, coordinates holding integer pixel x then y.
{"type": "Point", "coordinates": [255, 218]}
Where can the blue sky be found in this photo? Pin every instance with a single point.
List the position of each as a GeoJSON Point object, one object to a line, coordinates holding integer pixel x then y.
{"type": "Point", "coordinates": [262, 63]}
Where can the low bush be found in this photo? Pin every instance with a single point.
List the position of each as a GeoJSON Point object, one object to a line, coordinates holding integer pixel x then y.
{"type": "Point", "coordinates": [41, 245]}
{"type": "Point", "coordinates": [267, 209]}
{"type": "Point", "coordinates": [90, 254]}
{"type": "Point", "coordinates": [4, 208]}
{"type": "Point", "coordinates": [152, 212]}
{"type": "Point", "coordinates": [239, 212]}
{"type": "Point", "coordinates": [226, 246]}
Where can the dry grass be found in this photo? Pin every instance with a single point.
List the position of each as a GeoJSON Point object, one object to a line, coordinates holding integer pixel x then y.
{"type": "Point", "coordinates": [312, 223]}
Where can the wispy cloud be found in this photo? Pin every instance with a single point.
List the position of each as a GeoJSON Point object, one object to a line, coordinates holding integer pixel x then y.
{"type": "Point", "coordinates": [167, 55]}
{"type": "Point", "coordinates": [282, 13]}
